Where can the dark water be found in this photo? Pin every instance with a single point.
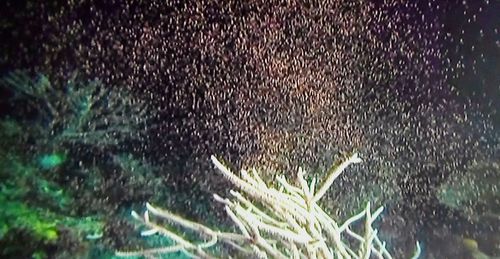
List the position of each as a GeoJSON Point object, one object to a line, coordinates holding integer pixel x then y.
{"type": "Point", "coordinates": [107, 105]}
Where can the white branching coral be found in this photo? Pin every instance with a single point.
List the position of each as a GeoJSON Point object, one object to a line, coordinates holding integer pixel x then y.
{"type": "Point", "coordinates": [283, 222]}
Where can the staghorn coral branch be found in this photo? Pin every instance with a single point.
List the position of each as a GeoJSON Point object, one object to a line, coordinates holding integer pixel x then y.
{"type": "Point", "coordinates": [333, 173]}
{"type": "Point", "coordinates": [277, 223]}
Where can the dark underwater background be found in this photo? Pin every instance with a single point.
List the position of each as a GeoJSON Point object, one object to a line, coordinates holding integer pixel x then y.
{"type": "Point", "coordinates": [106, 105]}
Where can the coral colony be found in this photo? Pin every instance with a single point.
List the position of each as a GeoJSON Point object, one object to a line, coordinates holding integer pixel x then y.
{"type": "Point", "coordinates": [282, 222]}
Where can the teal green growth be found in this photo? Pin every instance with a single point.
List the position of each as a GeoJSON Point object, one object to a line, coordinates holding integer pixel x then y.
{"type": "Point", "coordinates": [49, 161]}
